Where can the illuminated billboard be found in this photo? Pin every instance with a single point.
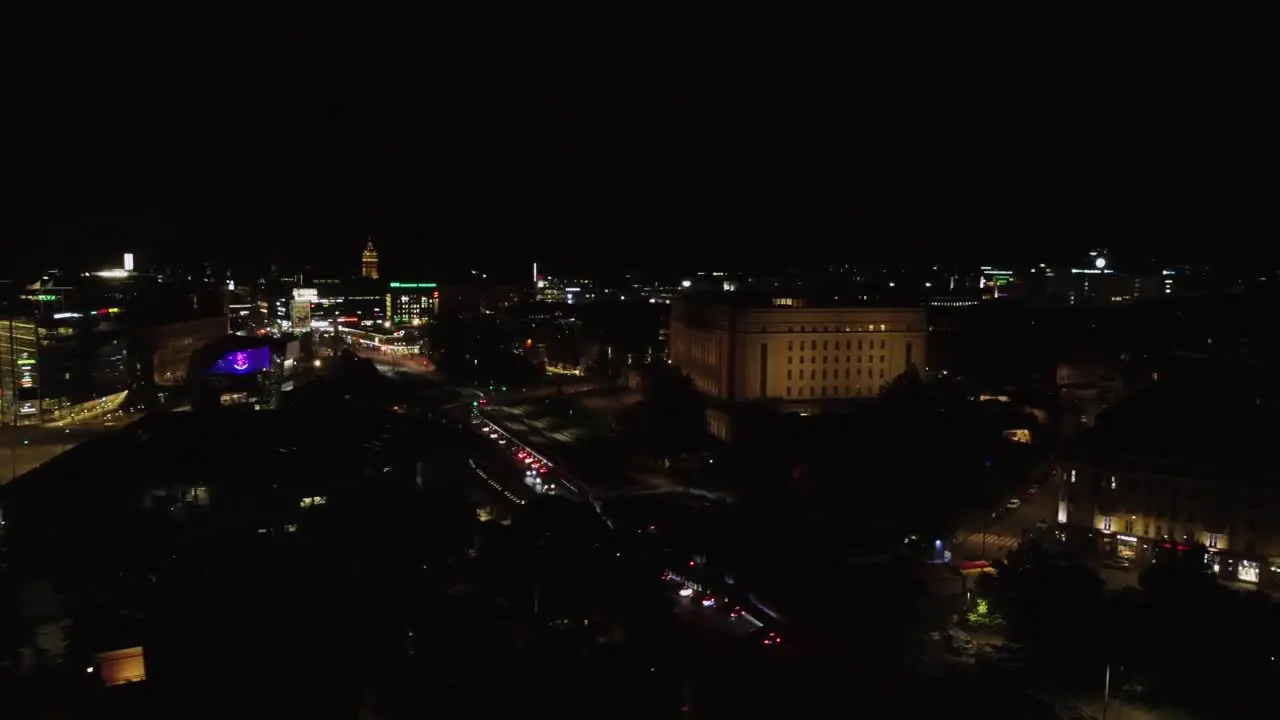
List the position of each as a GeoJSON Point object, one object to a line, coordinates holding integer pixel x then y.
{"type": "Point", "coordinates": [243, 362]}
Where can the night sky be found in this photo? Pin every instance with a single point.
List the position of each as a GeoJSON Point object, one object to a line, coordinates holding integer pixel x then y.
{"type": "Point", "coordinates": [294, 156]}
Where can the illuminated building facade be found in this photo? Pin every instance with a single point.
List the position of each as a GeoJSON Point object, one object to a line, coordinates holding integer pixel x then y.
{"type": "Point", "coordinates": [411, 303]}
{"type": "Point", "coordinates": [52, 363]}
{"type": "Point", "coordinates": [1144, 505]}
{"type": "Point", "coordinates": [550, 290]}
{"type": "Point", "coordinates": [19, 371]}
{"type": "Point", "coordinates": [369, 262]}
{"type": "Point", "coordinates": [99, 334]}
{"type": "Point", "coordinates": [792, 353]}
{"type": "Point", "coordinates": [325, 302]}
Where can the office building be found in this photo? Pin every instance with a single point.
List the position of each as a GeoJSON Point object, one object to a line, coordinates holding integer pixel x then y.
{"type": "Point", "coordinates": [411, 303]}
{"type": "Point", "coordinates": [67, 342]}
{"type": "Point", "coordinates": [550, 290]}
{"type": "Point", "coordinates": [791, 351]}
{"type": "Point", "coordinates": [312, 302]}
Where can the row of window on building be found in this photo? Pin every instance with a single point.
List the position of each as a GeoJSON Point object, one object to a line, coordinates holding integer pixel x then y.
{"type": "Point", "coordinates": [1212, 540]}
{"type": "Point", "coordinates": [828, 391]}
{"type": "Point", "coordinates": [813, 359]}
{"type": "Point", "coordinates": [871, 327]}
{"type": "Point", "coordinates": [835, 374]}
{"type": "Point", "coordinates": [848, 345]}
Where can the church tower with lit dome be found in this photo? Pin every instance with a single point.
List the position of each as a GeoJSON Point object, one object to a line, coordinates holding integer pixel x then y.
{"type": "Point", "coordinates": [369, 262]}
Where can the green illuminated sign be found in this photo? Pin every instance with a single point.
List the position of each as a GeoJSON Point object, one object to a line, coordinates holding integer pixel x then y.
{"type": "Point", "coordinates": [412, 285]}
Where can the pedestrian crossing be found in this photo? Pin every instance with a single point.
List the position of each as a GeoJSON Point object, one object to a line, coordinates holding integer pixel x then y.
{"type": "Point", "coordinates": [992, 540]}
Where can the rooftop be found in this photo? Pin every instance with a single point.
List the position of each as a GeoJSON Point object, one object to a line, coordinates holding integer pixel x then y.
{"type": "Point", "coordinates": [1187, 425]}
{"type": "Point", "coordinates": [792, 301]}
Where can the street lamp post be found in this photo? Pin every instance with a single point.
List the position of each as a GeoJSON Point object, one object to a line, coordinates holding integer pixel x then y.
{"type": "Point", "coordinates": [1106, 692]}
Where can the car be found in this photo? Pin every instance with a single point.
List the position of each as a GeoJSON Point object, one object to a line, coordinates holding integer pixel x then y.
{"type": "Point", "coordinates": [1033, 489]}
{"type": "Point", "coordinates": [1013, 504]}
{"type": "Point", "coordinates": [772, 638]}
{"type": "Point", "coordinates": [736, 613]}
{"type": "Point", "coordinates": [1117, 564]}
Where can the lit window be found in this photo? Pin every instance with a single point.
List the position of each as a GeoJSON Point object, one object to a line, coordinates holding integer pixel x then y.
{"type": "Point", "coordinates": [307, 502]}
{"type": "Point", "coordinates": [1106, 524]}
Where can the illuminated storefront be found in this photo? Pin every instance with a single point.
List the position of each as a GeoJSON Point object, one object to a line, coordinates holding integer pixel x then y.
{"type": "Point", "coordinates": [1126, 547]}
{"type": "Point", "coordinates": [1249, 571]}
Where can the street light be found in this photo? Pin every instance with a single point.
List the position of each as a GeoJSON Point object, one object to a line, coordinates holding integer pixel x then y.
{"type": "Point", "coordinates": [1106, 687]}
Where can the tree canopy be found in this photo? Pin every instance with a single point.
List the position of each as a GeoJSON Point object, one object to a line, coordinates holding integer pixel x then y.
{"type": "Point", "coordinates": [670, 418]}
{"type": "Point", "coordinates": [1157, 638]}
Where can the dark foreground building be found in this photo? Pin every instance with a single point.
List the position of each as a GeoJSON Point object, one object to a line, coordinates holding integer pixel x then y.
{"type": "Point", "coordinates": [316, 564]}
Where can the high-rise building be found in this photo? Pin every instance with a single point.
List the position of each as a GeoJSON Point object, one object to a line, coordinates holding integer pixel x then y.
{"type": "Point", "coordinates": [369, 261]}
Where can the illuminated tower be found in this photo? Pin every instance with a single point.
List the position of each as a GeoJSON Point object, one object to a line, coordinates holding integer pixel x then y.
{"type": "Point", "coordinates": [369, 261]}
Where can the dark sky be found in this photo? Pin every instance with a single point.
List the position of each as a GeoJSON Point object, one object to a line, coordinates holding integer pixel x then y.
{"type": "Point", "coordinates": [297, 153]}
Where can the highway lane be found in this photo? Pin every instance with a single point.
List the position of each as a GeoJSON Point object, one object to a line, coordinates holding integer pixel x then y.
{"type": "Point", "coordinates": [23, 449]}
{"type": "Point", "coordinates": [597, 463]}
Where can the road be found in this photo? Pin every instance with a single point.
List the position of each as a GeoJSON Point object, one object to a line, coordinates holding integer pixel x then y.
{"type": "Point", "coordinates": [388, 363]}
{"type": "Point", "coordinates": [991, 536]}
{"type": "Point", "coordinates": [24, 448]}
{"type": "Point", "coordinates": [578, 436]}
{"type": "Point", "coordinates": [729, 670]}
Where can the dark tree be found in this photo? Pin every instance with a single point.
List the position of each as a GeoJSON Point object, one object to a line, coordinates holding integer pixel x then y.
{"type": "Point", "coordinates": [671, 417]}
{"type": "Point", "coordinates": [1050, 601]}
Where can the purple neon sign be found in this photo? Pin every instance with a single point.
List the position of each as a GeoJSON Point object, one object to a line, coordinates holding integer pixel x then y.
{"type": "Point", "coordinates": [243, 362]}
